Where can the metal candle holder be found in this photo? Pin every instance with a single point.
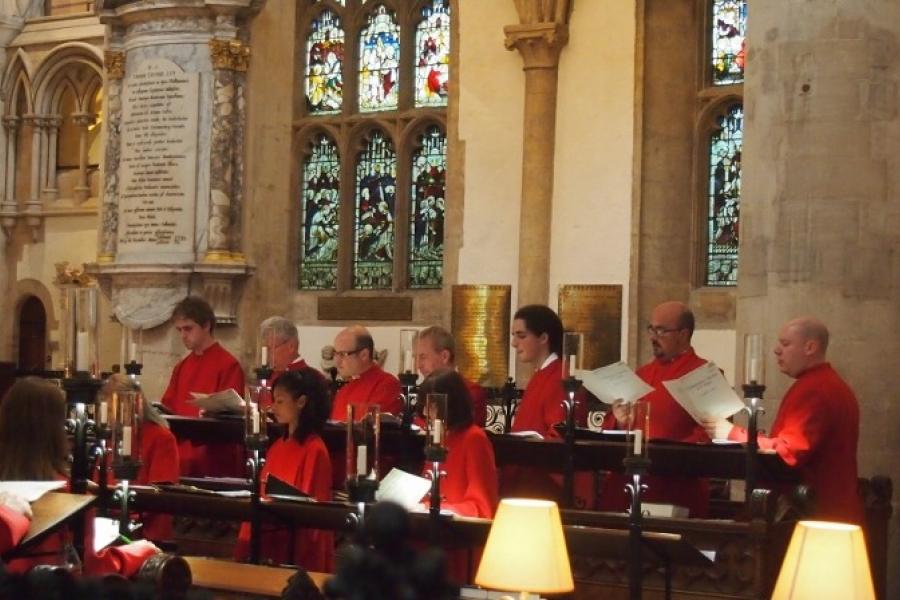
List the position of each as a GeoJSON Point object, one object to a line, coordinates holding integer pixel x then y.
{"type": "Point", "coordinates": [753, 395]}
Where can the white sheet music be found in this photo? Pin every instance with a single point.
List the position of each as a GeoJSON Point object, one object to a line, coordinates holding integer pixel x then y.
{"type": "Point", "coordinates": [705, 394]}
{"type": "Point", "coordinates": [614, 382]}
{"type": "Point", "coordinates": [30, 490]}
{"type": "Point", "coordinates": [218, 401]}
{"type": "Point", "coordinates": [404, 488]}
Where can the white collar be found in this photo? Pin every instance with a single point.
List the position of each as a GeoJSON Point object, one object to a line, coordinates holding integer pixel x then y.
{"type": "Point", "coordinates": [553, 356]}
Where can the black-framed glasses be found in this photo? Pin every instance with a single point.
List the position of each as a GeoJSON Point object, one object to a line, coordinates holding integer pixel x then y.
{"type": "Point", "coordinates": [659, 330]}
{"type": "Point", "coordinates": [346, 353]}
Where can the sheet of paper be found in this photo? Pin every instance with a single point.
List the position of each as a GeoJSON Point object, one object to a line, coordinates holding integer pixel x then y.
{"type": "Point", "coordinates": [615, 381]}
{"type": "Point", "coordinates": [705, 394]}
{"type": "Point", "coordinates": [219, 401]}
{"type": "Point", "coordinates": [404, 488]}
{"type": "Point", "coordinates": [532, 435]}
{"type": "Point", "coordinates": [30, 490]}
{"type": "Point", "coordinates": [106, 531]}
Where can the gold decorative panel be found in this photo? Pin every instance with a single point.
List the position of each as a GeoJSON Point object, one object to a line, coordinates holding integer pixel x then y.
{"type": "Point", "coordinates": [480, 326]}
{"type": "Point", "coordinates": [595, 311]}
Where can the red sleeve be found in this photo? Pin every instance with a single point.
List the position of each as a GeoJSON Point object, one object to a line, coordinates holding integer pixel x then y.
{"type": "Point", "coordinates": [481, 496]}
{"type": "Point", "coordinates": [13, 527]}
{"type": "Point", "coordinates": [386, 394]}
{"type": "Point", "coordinates": [124, 560]}
{"type": "Point", "coordinates": [314, 473]}
{"type": "Point", "coordinates": [232, 376]}
{"type": "Point", "coordinates": [168, 397]}
{"type": "Point", "coordinates": [339, 408]}
{"type": "Point", "coordinates": [554, 411]}
{"type": "Point", "coordinates": [161, 463]}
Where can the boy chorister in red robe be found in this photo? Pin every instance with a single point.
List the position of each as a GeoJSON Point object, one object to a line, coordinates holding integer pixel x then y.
{"type": "Point", "coordinates": [208, 368]}
{"type": "Point", "coordinates": [366, 383]}
{"type": "Point", "coordinates": [435, 348]}
{"type": "Point", "coordinates": [671, 328]}
{"type": "Point", "coordinates": [816, 429]}
{"type": "Point", "coordinates": [299, 458]}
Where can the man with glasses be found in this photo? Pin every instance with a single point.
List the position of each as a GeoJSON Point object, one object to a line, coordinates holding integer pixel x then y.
{"type": "Point", "coordinates": [670, 329]}
{"type": "Point", "coordinates": [367, 383]}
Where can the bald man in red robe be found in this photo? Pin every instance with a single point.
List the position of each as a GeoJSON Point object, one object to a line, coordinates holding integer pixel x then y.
{"type": "Point", "coordinates": [367, 383]}
{"type": "Point", "coordinates": [816, 430]}
{"type": "Point", "coordinates": [671, 328]}
{"type": "Point", "coordinates": [208, 368]}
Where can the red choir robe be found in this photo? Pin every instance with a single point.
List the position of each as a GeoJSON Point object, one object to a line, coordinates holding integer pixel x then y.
{"type": "Point", "coordinates": [479, 401]}
{"type": "Point", "coordinates": [668, 421]}
{"type": "Point", "coordinates": [470, 489]}
{"type": "Point", "coordinates": [299, 364]}
{"type": "Point", "coordinates": [539, 410]}
{"type": "Point", "coordinates": [374, 386]}
{"type": "Point", "coordinates": [213, 371]}
{"type": "Point", "coordinates": [13, 527]}
{"type": "Point", "coordinates": [159, 464]}
{"type": "Point", "coordinates": [816, 431]}
{"type": "Point", "coordinates": [307, 467]}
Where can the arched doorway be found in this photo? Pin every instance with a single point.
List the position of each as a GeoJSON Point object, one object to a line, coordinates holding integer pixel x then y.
{"type": "Point", "coordinates": [32, 335]}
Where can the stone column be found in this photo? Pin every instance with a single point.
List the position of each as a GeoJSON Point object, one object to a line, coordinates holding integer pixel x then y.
{"type": "Point", "coordinates": [50, 190]}
{"type": "Point", "coordinates": [83, 121]}
{"type": "Point", "coordinates": [8, 207]}
{"type": "Point", "coordinates": [820, 204]}
{"type": "Point", "coordinates": [539, 37]}
{"type": "Point", "coordinates": [114, 65]}
{"type": "Point", "coordinates": [34, 205]}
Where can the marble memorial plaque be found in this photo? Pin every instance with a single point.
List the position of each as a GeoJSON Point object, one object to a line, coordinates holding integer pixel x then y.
{"type": "Point", "coordinates": [159, 163]}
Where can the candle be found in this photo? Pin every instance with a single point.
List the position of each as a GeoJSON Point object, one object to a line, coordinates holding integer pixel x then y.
{"type": "Point", "coordinates": [408, 365]}
{"type": "Point", "coordinates": [638, 441]}
{"type": "Point", "coordinates": [754, 370]}
{"type": "Point", "coordinates": [254, 416]}
{"type": "Point", "coordinates": [264, 355]}
{"type": "Point", "coordinates": [436, 432]}
{"type": "Point", "coordinates": [361, 461]}
{"type": "Point", "coordinates": [122, 356]}
{"type": "Point", "coordinates": [126, 440]}
{"type": "Point", "coordinates": [103, 413]}
{"type": "Point", "coordinates": [133, 355]}
{"type": "Point", "coordinates": [81, 351]}
{"type": "Point", "coordinates": [573, 364]}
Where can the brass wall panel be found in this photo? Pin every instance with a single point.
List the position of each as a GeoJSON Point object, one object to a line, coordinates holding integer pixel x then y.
{"type": "Point", "coordinates": [480, 326]}
{"type": "Point", "coordinates": [595, 311]}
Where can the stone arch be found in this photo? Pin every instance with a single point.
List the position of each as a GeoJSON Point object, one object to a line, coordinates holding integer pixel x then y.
{"type": "Point", "coordinates": [17, 79]}
{"type": "Point", "coordinates": [32, 288]}
{"type": "Point", "coordinates": [59, 65]}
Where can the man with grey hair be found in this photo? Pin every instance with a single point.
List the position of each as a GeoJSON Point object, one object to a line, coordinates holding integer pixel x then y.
{"type": "Point", "coordinates": [436, 349]}
{"type": "Point", "coordinates": [280, 337]}
{"type": "Point", "coordinates": [817, 427]}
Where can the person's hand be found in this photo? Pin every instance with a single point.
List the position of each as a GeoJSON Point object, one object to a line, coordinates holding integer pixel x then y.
{"type": "Point", "coordinates": [620, 411]}
{"type": "Point", "coordinates": [16, 503]}
{"type": "Point", "coordinates": [716, 428]}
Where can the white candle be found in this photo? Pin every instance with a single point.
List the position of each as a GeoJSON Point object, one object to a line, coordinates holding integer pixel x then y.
{"type": "Point", "coordinates": [264, 355]}
{"type": "Point", "coordinates": [81, 351]}
{"type": "Point", "coordinates": [126, 440]}
{"type": "Point", "coordinates": [638, 441]}
{"type": "Point", "coordinates": [408, 365]}
{"type": "Point", "coordinates": [361, 461]}
{"type": "Point", "coordinates": [436, 431]}
{"type": "Point", "coordinates": [573, 364]}
{"type": "Point", "coordinates": [133, 356]}
{"type": "Point", "coordinates": [254, 416]}
{"type": "Point", "coordinates": [103, 413]}
{"type": "Point", "coordinates": [122, 356]}
{"type": "Point", "coordinates": [754, 370]}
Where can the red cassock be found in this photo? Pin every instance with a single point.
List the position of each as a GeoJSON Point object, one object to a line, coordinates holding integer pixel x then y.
{"type": "Point", "coordinates": [159, 458]}
{"type": "Point", "coordinates": [13, 527]}
{"type": "Point", "coordinates": [470, 487]}
{"type": "Point", "coordinates": [479, 401]}
{"type": "Point", "coordinates": [668, 421]}
{"type": "Point", "coordinates": [213, 371]}
{"type": "Point", "coordinates": [816, 431]}
{"type": "Point", "coordinates": [307, 467]}
{"type": "Point", "coordinates": [374, 386]}
{"type": "Point", "coordinates": [298, 365]}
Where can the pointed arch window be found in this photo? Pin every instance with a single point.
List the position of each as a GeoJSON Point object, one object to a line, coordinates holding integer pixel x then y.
{"type": "Point", "coordinates": [724, 196]}
{"type": "Point", "coordinates": [372, 158]}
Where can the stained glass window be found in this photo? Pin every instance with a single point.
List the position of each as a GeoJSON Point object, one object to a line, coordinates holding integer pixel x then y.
{"type": "Point", "coordinates": [723, 217]}
{"type": "Point", "coordinates": [379, 61]}
{"type": "Point", "coordinates": [433, 54]}
{"type": "Point", "coordinates": [729, 29]}
{"type": "Point", "coordinates": [426, 227]}
{"type": "Point", "coordinates": [324, 62]}
{"type": "Point", "coordinates": [321, 201]}
{"type": "Point", "coordinates": [376, 187]}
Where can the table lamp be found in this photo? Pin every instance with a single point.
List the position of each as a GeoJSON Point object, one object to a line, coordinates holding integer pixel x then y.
{"type": "Point", "coordinates": [825, 561]}
{"type": "Point", "coordinates": [526, 550]}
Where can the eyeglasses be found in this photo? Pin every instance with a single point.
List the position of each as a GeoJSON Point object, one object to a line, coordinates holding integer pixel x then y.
{"type": "Point", "coordinates": [660, 331]}
{"type": "Point", "coordinates": [346, 353]}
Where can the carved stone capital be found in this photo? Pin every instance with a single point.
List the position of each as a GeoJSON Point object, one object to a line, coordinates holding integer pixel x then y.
{"type": "Point", "coordinates": [539, 43]}
{"type": "Point", "coordinates": [11, 122]}
{"type": "Point", "coordinates": [114, 62]}
{"type": "Point", "coordinates": [231, 55]}
{"type": "Point", "coordinates": [83, 119]}
{"type": "Point", "coordinates": [54, 123]}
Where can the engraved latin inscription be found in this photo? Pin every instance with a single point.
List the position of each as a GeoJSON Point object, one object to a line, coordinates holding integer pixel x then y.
{"type": "Point", "coordinates": [159, 157]}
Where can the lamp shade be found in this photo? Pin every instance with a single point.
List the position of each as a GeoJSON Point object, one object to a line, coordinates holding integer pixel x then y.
{"type": "Point", "coordinates": [526, 550]}
{"type": "Point", "coordinates": [825, 561]}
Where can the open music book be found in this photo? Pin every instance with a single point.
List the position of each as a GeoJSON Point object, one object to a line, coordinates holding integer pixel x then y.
{"type": "Point", "coordinates": [226, 400]}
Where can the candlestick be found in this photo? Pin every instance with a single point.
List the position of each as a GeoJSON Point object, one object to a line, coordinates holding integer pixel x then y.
{"type": "Point", "coordinates": [126, 440]}
{"type": "Point", "coordinates": [264, 355]}
{"type": "Point", "coordinates": [133, 355]}
{"type": "Point", "coordinates": [638, 441]}
{"type": "Point", "coordinates": [754, 370]}
{"type": "Point", "coordinates": [361, 461]}
{"type": "Point", "coordinates": [254, 416]}
{"type": "Point", "coordinates": [82, 343]}
{"type": "Point", "coordinates": [408, 364]}
{"type": "Point", "coordinates": [573, 365]}
{"type": "Point", "coordinates": [437, 432]}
